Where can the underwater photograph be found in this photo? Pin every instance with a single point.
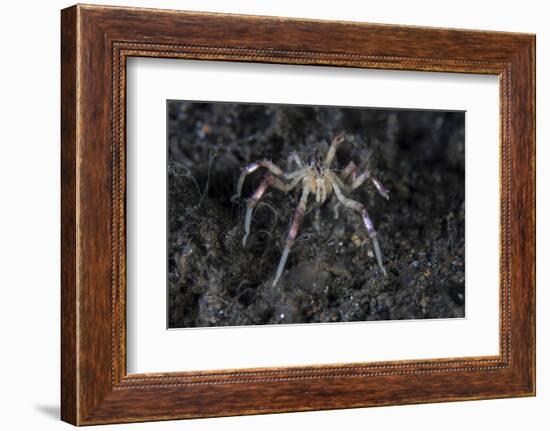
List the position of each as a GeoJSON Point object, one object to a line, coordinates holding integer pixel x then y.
{"type": "Point", "coordinates": [292, 214]}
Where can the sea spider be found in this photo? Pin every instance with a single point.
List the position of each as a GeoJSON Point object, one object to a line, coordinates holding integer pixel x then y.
{"type": "Point", "coordinates": [315, 177]}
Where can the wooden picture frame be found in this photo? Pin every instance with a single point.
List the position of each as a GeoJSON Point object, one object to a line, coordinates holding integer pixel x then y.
{"type": "Point", "coordinates": [95, 43]}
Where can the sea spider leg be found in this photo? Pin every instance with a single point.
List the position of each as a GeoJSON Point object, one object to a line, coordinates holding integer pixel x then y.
{"type": "Point", "coordinates": [338, 139]}
{"type": "Point", "coordinates": [294, 157]}
{"type": "Point", "coordinates": [269, 180]}
{"type": "Point", "coordinates": [336, 210]}
{"type": "Point", "coordinates": [272, 167]}
{"type": "Point", "coordinates": [335, 179]}
{"type": "Point", "coordinates": [284, 187]}
{"type": "Point", "coordinates": [252, 203]}
{"type": "Point", "coordinates": [350, 169]}
{"type": "Point", "coordinates": [360, 208]}
{"type": "Point", "coordinates": [384, 192]}
{"type": "Point", "coordinates": [296, 220]}
{"type": "Point", "coordinates": [356, 180]}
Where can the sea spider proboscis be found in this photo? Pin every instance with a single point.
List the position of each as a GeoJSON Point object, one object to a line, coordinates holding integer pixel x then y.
{"type": "Point", "coordinates": [315, 177]}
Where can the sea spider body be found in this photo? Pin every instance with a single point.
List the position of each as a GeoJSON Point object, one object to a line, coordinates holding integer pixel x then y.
{"type": "Point", "coordinates": [315, 178]}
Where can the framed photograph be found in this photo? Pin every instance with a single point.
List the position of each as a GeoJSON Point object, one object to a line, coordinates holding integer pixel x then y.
{"type": "Point", "coordinates": [264, 215]}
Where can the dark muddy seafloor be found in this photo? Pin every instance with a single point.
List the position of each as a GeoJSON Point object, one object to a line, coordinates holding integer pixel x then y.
{"type": "Point", "coordinates": [331, 274]}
